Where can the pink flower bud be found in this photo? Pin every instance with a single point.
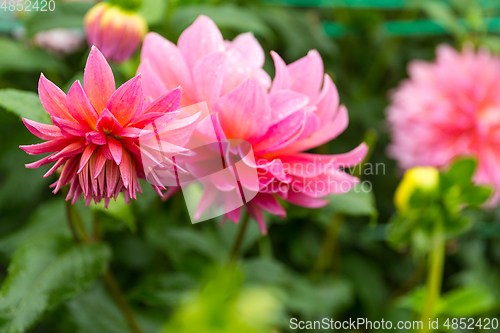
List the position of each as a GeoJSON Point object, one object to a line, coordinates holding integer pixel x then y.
{"type": "Point", "coordinates": [115, 31]}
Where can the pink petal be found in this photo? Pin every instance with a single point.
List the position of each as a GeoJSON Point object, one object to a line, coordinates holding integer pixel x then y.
{"type": "Point", "coordinates": [285, 102]}
{"type": "Point", "coordinates": [67, 173]}
{"type": "Point", "coordinates": [131, 132]}
{"type": "Point", "coordinates": [237, 70]}
{"type": "Point", "coordinates": [168, 64]}
{"type": "Point", "coordinates": [43, 131]}
{"type": "Point", "coordinates": [86, 156]}
{"type": "Point", "coordinates": [303, 200]}
{"type": "Point", "coordinates": [207, 76]}
{"type": "Point", "coordinates": [112, 177]}
{"type": "Point", "coordinates": [167, 102]}
{"type": "Point", "coordinates": [234, 215]}
{"type": "Point", "coordinates": [311, 125]}
{"type": "Point", "coordinates": [93, 181]}
{"type": "Point", "coordinates": [70, 150]}
{"type": "Point", "coordinates": [199, 39]}
{"type": "Point", "coordinates": [115, 148]}
{"type": "Point", "coordinates": [95, 137]}
{"type": "Point", "coordinates": [346, 160]}
{"type": "Point", "coordinates": [80, 107]}
{"type": "Point", "coordinates": [99, 163]}
{"type": "Point", "coordinates": [249, 47]}
{"type": "Point", "coordinates": [55, 167]}
{"type": "Point", "coordinates": [328, 100]}
{"type": "Point", "coordinates": [53, 99]}
{"type": "Point", "coordinates": [280, 133]}
{"type": "Point", "coordinates": [306, 74]}
{"type": "Point", "coordinates": [326, 133]}
{"type": "Point", "coordinates": [126, 102]}
{"type": "Point", "coordinates": [208, 199]}
{"type": "Point", "coordinates": [274, 168]}
{"type": "Point", "coordinates": [257, 213]}
{"type": "Point", "coordinates": [126, 168]}
{"type": "Point", "coordinates": [270, 204]}
{"type": "Point", "coordinates": [354, 157]}
{"type": "Point", "coordinates": [151, 83]}
{"type": "Point", "coordinates": [71, 127]}
{"type": "Point", "coordinates": [282, 78]}
{"type": "Point", "coordinates": [245, 113]}
{"type": "Point", "coordinates": [46, 147]}
{"type": "Point", "coordinates": [98, 80]}
{"type": "Point", "coordinates": [179, 131]}
{"type": "Point", "coordinates": [149, 117]}
{"type": "Point", "coordinates": [107, 123]}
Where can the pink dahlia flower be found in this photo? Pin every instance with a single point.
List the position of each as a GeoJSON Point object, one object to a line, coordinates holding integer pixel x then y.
{"type": "Point", "coordinates": [447, 109]}
{"type": "Point", "coordinates": [115, 31]}
{"type": "Point", "coordinates": [297, 112]}
{"type": "Point", "coordinates": [95, 130]}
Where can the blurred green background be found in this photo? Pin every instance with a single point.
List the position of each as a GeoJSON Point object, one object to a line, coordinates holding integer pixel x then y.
{"type": "Point", "coordinates": [333, 262]}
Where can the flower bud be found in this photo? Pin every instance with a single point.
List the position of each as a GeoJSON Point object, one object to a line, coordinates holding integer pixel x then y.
{"type": "Point", "coordinates": [115, 31]}
{"type": "Point", "coordinates": [422, 178]}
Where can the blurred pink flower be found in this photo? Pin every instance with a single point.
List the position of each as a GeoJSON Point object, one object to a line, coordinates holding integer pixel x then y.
{"type": "Point", "coordinates": [114, 31]}
{"type": "Point", "coordinates": [95, 131]}
{"type": "Point", "coordinates": [447, 109]}
{"type": "Point", "coordinates": [60, 41]}
{"type": "Point", "coordinates": [297, 112]}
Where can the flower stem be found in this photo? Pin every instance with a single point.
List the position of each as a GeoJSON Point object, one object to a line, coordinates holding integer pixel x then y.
{"type": "Point", "coordinates": [69, 219]}
{"type": "Point", "coordinates": [328, 248]}
{"type": "Point", "coordinates": [435, 277]}
{"type": "Point", "coordinates": [77, 220]}
{"type": "Point", "coordinates": [120, 300]}
{"type": "Point", "coordinates": [239, 238]}
{"type": "Point", "coordinates": [80, 235]}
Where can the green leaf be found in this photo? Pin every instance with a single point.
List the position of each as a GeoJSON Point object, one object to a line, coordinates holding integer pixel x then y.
{"type": "Point", "coordinates": [445, 16]}
{"type": "Point", "coordinates": [153, 11]}
{"type": "Point", "coordinates": [25, 104]}
{"type": "Point", "coordinates": [476, 195]}
{"type": "Point", "coordinates": [265, 271]}
{"type": "Point", "coordinates": [461, 171]}
{"type": "Point", "coordinates": [119, 210]}
{"type": "Point", "coordinates": [15, 57]}
{"type": "Point", "coordinates": [44, 272]}
{"type": "Point", "coordinates": [163, 289]}
{"type": "Point", "coordinates": [329, 297]}
{"type": "Point", "coordinates": [49, 218]}
{"type": "Point", "coordinates": [356, 202]}
{"type": "Point", "coordinates": [468, 301]}
{"type": "Point", "coordinates": [95, 312]}
{"type": "Point", "coordinates": [66, 15]}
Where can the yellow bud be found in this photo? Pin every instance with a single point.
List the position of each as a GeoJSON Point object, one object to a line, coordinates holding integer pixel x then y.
{"type": "Point", "coordinates": [423, 178]}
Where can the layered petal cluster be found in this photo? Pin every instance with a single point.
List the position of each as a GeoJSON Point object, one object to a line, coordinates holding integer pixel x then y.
{"type": "Point", "coordinates": [447, 109]}
{"type": "Point", "coordinates": [114, 31]}
{"type": "Point", "coordinates": [95, 129]}
{"type": "Point", "coordinates": [297, 111]}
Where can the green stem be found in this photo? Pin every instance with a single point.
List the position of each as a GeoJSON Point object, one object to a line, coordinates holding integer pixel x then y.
{"type": "Point", "coordinates": [235, 252]}
{"type": "Point", "coordinates": [120, 300]}
{"type": "Point", "coordinates": [435, 277]}
{"type": "Point", "coordinates": [80, 235]}
{"type": "Point", "coordinates": [77, 220]}
{"type": "Point", "coordinates": [69, 219]}
{"type": "Point", "coordinates": [113, 286]}
{"type": "Point", "coordinates": [327, 251]}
